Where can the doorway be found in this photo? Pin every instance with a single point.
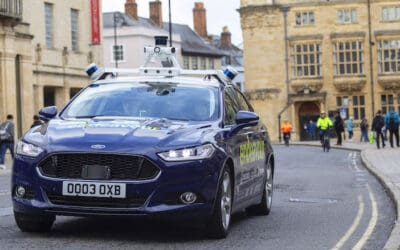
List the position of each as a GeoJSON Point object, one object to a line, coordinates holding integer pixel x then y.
{"type": "Point", "coordinates": [307, 111]}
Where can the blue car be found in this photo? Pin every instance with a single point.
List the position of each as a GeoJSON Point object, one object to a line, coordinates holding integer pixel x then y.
{"type": "Point", "coordinates": [146, 146]}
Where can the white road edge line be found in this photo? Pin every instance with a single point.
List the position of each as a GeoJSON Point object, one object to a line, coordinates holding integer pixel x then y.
{"type": "Point", "coordinates": [353, 226]}
{"type": "Point", "coordinates": [6, 211]}
{"type": "Point", "coordinates": [372, 222]}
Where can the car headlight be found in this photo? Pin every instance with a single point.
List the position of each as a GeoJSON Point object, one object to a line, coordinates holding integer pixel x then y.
{"type": "Point", "coordinates": [27, 149]}
{"type": "Point", "coordinates": [187, 154]}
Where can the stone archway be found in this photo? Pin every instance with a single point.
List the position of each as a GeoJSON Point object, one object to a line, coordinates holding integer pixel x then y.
{"type": "Point", "coordinates": [307, 111]}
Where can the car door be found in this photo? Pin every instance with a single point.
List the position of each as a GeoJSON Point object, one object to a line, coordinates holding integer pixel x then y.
{"type": "Point", "coordinates": [255, 162]}
{"type": "Point", "coordinates": [237, 143]}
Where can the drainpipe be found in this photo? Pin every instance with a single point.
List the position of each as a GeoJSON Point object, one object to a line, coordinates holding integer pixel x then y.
{"type": "Point", "coordinates": [279, 120]}
{"type": "Point", "coordinates": [285, 10]}
{"type": "Point", "coordinates": [370, 59]}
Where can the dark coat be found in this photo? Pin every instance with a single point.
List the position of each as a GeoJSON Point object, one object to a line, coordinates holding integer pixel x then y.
{"type": "Point", "coordinates": [378, 123]}
{"type": "Point", "coordinates": [339, 124]}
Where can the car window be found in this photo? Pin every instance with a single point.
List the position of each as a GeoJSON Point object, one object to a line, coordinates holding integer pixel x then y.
{"type": "Point", "coordinates": [230, 108]}
{"type": "Point", "coordinates": [158, 100]}
{"type": "Point", "coordinates": [244, 105]}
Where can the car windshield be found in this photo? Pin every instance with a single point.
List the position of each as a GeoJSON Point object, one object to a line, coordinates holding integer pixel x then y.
{"type": "Point", "coordinates": [148, 100]}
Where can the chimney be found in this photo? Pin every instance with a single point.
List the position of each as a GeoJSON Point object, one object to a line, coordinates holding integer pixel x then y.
{"type": "Point", "coordinates": [226, 41]}
{"type": "Point", "coordinates": [156, 13]}
{"type": "Point", "coordinates": [131, 9]}
{"type": "Point", "coordinates": [199, 19]}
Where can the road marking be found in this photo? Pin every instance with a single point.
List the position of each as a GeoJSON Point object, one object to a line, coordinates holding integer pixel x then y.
{"type": "Point", "coordinates": [5, 211]}
{"type": "Point", "coordinates": [5, 193]}
{"type": "Point", "coordinates": [353, 226]}
{"type": "Point", "coordinates": [371, 224]}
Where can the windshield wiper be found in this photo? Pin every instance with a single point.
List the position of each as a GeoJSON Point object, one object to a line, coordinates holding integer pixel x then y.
{"type": "Point", "coordinates": [176, 119]}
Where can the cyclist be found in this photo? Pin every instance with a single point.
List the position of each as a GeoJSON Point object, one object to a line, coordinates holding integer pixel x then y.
{"type": "Point", "coordinates": [323, 124]}
{"type": "Point", "coordinates": [286, 128]}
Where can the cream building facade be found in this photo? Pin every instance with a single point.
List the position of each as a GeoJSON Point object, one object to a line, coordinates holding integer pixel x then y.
{"type": "Point", "coordinates": [44, 49]}
{"type": "Point", "coordinates": [303, 57]}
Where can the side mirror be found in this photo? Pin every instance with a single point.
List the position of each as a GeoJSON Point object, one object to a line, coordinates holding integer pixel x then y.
{"type": "Point", "coordinates": [246, 117]}
{"type": "Point", "coordinates": [47, 113]}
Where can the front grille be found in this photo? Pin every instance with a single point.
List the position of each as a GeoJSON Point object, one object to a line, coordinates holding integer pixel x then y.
{"type": "Point", "coordinates": [129, 202]}
{"type": "Point", "coordinates": [122, 167]}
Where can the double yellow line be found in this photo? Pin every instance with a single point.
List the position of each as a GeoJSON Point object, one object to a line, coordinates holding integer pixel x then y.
{"type": "Point", "coordinates": [356, 222]}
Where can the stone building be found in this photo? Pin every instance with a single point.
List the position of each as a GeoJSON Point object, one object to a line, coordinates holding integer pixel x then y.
{"type": "Point", "coordinates": [45, 46]}
{"type": "Point", "coordinates": [302, 57]}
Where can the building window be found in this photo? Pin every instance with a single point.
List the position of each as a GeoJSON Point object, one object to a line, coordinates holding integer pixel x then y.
{"type": "Point", "coordinates": [387, 103]}
{"type": "Point", "coordinates": [391, 13]}
{"type": "Point", "coordinates": [74, 29]}
{"type": "Point", "coordinates": [195, 64]}
{"type": "Point", "coordinates": [358, 107]}
{"type": "Point", "coordinates": [203, 63]}
{"type": "Point", "coordinates": [347, 16]}
{"type": "Point", "coordinates": [305, 18]}
{"type": "Point", "coordinates": [185, 62]}
{"type": "Point", "coordinates": [348, 58]}
{"type": "Point", "coordinates": [48, 16]}
{"type": "Point", "coordinates": [306, 60]}
{"type": "Point", "coordinates": [389, 56]}
{"type": "Point", "coordinates": [343, 102]}
{"type": "Point", "coordinates": [118, 53]}
{"type": "Point", "coordinates": [49, 96]}
{"type": "Point", "coordinates": [211, 63]}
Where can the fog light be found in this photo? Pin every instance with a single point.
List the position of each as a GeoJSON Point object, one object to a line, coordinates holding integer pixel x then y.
{"type": "Point", "coordinates": [20, 191]}
{"type": "Point", "coordinates": [188, 197]}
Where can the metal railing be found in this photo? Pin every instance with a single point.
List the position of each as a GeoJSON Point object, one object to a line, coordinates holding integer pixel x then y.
{"type": "Point", "coordinates": [11, 8]}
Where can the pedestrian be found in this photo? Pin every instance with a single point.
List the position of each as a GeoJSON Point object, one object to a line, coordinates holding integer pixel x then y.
{"type": "Point", "coordinates": [384, 129]}
{"type": "Point", "coordinates": [339, 128]}
{"type": "Point", "coordinates": [392, 122]}
{"type": "Point", "coordinates": [6, 139]}
{"type": "Point", "coordinates": [377, 125]}
{"type": "Point", "coordinates": [364, 130]}
{"type": "Point", "coordinates": [311, 127]}
{"type": "Point", "coordinates": [349, 126]}
{"type": "Point", "coordinates": [323, 124]}
{"type": "Point", "coordinates": [286, 129]}
{"type": "Point", "coordinates": [36, 121]}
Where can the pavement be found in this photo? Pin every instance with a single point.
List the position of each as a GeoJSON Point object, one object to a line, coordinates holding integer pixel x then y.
{"type": "Point", "coordinates": [384, 163]}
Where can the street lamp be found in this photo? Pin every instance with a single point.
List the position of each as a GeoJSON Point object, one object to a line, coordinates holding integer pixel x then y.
{"type": "Point", "coordinates": [170, 23]}
{"type": "Point", "coordinates": [117, 18]}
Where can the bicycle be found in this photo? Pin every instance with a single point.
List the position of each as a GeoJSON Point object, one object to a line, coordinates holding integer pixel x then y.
{"type": "Point", "coordinates": [326, 140]}
{"type": "Point", "coordinates": [286, 137]}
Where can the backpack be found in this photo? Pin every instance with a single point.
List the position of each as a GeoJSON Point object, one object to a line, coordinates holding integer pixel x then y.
{"type": "Point", "coordinates": [4, 135]}
{"type": "Point", "coordinates": [363, 124]}
{"type": "Point", "coordinates": [392, 123]}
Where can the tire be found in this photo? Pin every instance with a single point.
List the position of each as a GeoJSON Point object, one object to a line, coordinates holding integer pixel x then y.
{"type": "Point", "coordinates": [264, 207]}
{"type": "Point", "coordinates": [33, 222]}
{"type": "Point", "coordinates": [218, 224]}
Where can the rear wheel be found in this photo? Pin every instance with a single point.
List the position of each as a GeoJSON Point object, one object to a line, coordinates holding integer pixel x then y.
{"type": "Point", "coordinates": [264, 207]}
{"type": "Point", "coordinates": [33, 222]}
{"type": "Point", "coordinates": [219, 222]}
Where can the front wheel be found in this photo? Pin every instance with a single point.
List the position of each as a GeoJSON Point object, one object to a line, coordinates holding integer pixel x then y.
{"type": "Point", "coordinates": [33, 222]}
{"type": "Point", "coordinates": [219, 222]}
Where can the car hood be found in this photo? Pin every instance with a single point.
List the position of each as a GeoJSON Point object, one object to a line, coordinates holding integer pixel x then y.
{"type": "Point", "coordinates": [116, 135]}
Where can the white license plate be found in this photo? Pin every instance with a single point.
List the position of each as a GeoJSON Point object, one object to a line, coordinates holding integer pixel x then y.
{"type": "Point", "coordinates": [94, 189]}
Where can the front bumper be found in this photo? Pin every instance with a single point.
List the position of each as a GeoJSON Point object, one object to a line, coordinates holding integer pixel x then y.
{"type": "Point", "coordinates": [156, 197]}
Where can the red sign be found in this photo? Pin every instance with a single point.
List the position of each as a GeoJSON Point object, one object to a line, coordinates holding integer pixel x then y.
{"type": "Point", "coordinates": [95, 14]}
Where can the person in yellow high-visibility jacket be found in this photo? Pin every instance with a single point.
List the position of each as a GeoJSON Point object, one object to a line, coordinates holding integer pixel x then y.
{"type": "Point", "coordinates": [323, 124]}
